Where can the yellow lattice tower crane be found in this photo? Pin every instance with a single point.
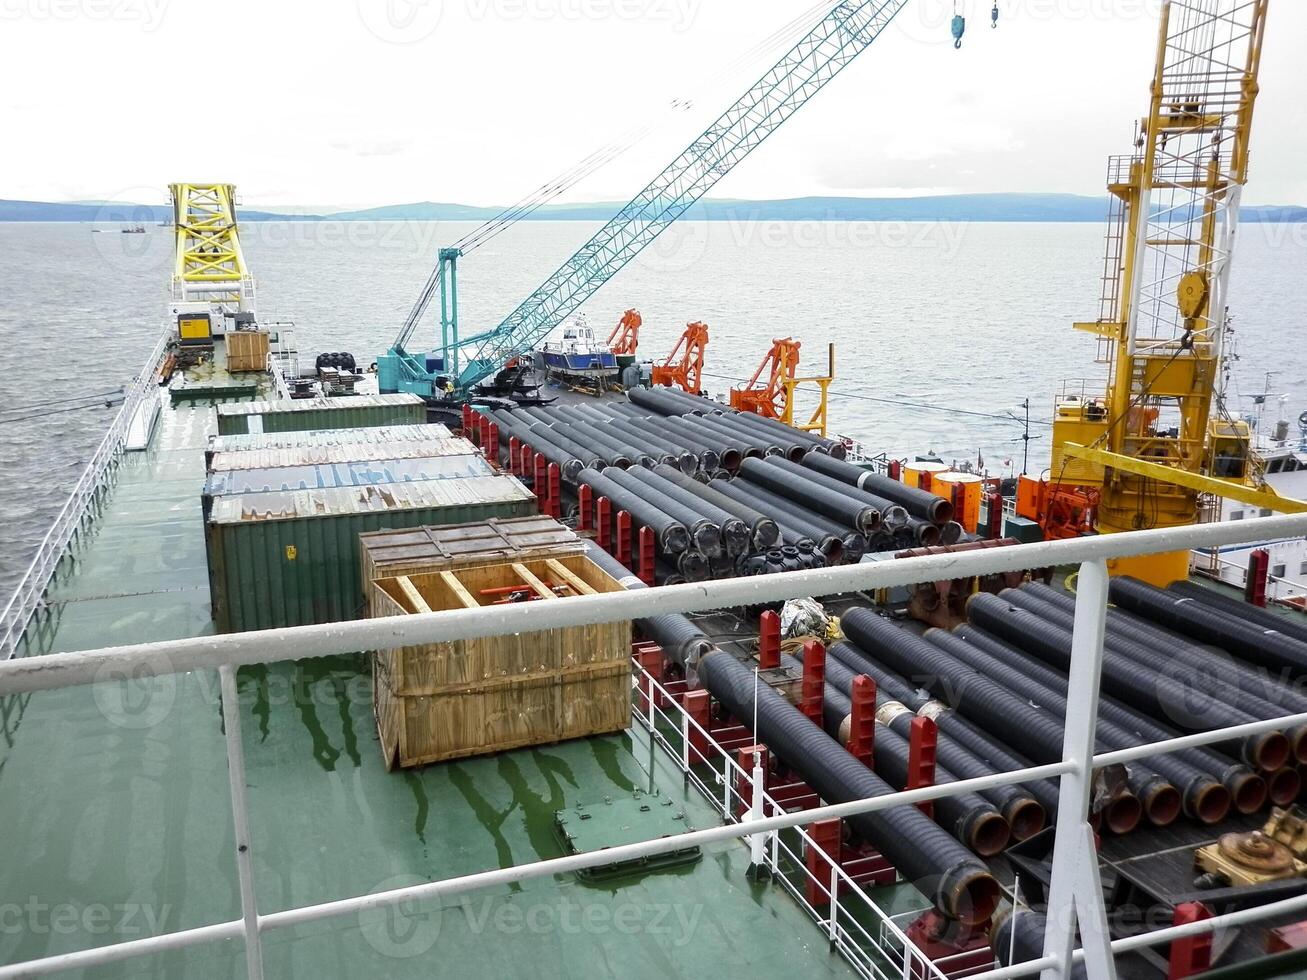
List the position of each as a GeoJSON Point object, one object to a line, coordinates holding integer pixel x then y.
{"type": "Point", "coordinates": [210, 280]}
{"type": "Point", "coordinates": [1150, 443]}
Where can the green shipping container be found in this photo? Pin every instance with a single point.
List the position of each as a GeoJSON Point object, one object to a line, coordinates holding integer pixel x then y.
{"type": "Point", "coordinates": [291, 558]}
{"type": "Point", "coordinates": [289, 415]}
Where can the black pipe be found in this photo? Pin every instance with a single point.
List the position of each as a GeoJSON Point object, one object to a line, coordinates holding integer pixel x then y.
{"type": "Point", "coordinates": [735, 535]}
{"type": "Point", "coordinates": [655, 400]}
{"type": "Point", "coordinates": [851, 513]}
{"type": "Point", "coordinates": [792, 445]}
{"type": "Point", "coordinates": [994, 756]}
{"type": "Point", "coordinates": [959, 885]}
{"type": "Point", "coordinates": [746, 435]}
{"type": "Point", "coordinates": [568, 465]}
{"type": "Point", "coordinates": [680, 639]}
{"type": "Point", "coordinates": [604, 434]}
{"type": "Point", "coordinates": [1244, 611]}
{"type": "Point", "coordinates": [733, 448]}
{"type": "Point", "coordinates": [950, 533]}
{"type": "Point", "coordinates": [586, 435]}
{"type": "Point", "coordinates": [1018, 937]}
{"type": "Point", "coordinates": [1171, 655]}
{"type": "Point", "coordinates": [923, 533]}
{"type": "Point", "coordinates": [971, 819]}
{"type": "Point", "coordinates": [919, 503]}
{"type": "Point", "coordinates": [997, 710]}
{"type": "Point", "coordinates": [1247, 790]}
{"type": "Point", "coordinates": [831, 546]}
{"type": "Point", "coordinates": [1159, 782]}
{"type": "Point", "coordinates": [749, 443]}
{"type": "Point", "coordinates": [764, 530]}
{"type": "Point", "coordinates": [886, 512]}
{"type": "Point", "coordinates": [705, 536]}
{"type": "Point", "coordinates": [1268, 648]}
{"type": "Point", "coordinates": [682, 401]}
{"type": "Point", "coordinates": [709, 457]}
{"type": "Point", "coordinates": [673, 537]}
{"type": "Point", "coordinates": [541, 431]}
{"type": "Point", "coordinates": [1007, 615]}
{"type": "Point", "coordinates": [782, 430]}
{"type": "Point", "coordinates": [854, 544]}
{"type": "Point", "coordinates": [686, 461]}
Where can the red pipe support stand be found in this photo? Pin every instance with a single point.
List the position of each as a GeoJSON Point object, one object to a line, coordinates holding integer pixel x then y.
{"type": "Point", "coordinates": [584, 507]}
{"type": "Point", "coordinates": [814, 680]}
{"type": "Point", "coordinates": [467, 421]}
{"type": "Point", "coordinates": [483, 433]}
{"type": "Point", "coordinates": [515, 456]}
{"type": "Point", "coordinates": [492, 447]}
{"type": "Point", "coordinates": [555, 491]}
{"type": "Point", "coordinates": [539, 484]}
{"type": "Point", "coordinates": [895, 470]}
{"type": "Point", "coordinates": [1192, 954]}
{"type": "Point", "coordinates": [958, 497]}
{"type": "Point", "coordinates": [769, 640]}
{"type": "Point", "coordinates": [698, 706]}
{"type": "Point", "coordinates": [862, 720]}
{"type": "Point", "coordinates": [922, 738]}
{"type": "Point", "coordinates": [863, 865]}
{"type": "Point", "coordinates": [526, 455]}
{"type": "Point", "coordinates": [604, 524]}
{"type": "Point", "coordinates": [624, 538]}
{"type": "Point", "coordinates": [923, 483]}
{"type": "Point", "coordinates": [966, 949]}
{"type": "Point", "coordinates": [647, 559]}
{"type": "Point", "coordinates": [650, 658]}
{"type": "Point", "coordinates": [1259, 570]}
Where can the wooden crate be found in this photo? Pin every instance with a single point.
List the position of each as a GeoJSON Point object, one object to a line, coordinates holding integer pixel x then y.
{"type": "Point", "coordinates": [424, 550]}
{"type": "Point", "coordinates": [247, 350]}
{"type": "Point", "coordinates": [470, 697]}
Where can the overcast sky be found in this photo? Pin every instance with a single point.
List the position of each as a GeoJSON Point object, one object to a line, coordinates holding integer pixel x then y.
{"type": "Point", "coordinates": [353, 103]}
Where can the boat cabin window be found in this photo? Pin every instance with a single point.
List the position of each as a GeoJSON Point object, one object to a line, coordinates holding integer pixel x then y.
{"type": "Point", "coordinates": [1274, 466]}
{"type": "Point", "coordinates": [1277, 571]}
{"type": "Point", "coordinates": [1236, 515]}
{"type": "Point", "coordinates": [1302, 569]}
{"type": "Point", "coordinates": [1266, 512]}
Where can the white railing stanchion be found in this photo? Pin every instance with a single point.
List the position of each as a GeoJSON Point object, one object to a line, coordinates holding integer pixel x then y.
{"type": "Point", "coordinates": [1075, 894]}
{"type": "Point", "coordinates": [757, 842]}
{"type": "Point", "coordinates": [231, 722]}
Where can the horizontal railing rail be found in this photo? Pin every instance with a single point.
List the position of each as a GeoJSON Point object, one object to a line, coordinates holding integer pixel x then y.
{"type": "Point", "coordinates": [1069, 886]}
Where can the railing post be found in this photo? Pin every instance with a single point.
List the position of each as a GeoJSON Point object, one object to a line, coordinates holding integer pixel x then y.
{"type": "Point", "coordinates": [231, 722]}
{"type": "Point", "coordinates": [1075, 895]}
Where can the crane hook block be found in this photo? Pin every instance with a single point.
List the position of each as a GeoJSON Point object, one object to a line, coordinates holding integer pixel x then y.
{"type": "Point", "coordinates": [993, 15]}
{"type": "Point", "coordinates": [959, 28]}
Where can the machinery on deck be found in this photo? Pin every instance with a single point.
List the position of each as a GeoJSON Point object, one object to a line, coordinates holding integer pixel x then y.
{"type": "Point", "coordinates": [210, 282]}
{"type": "Point", "coordinates": [683, 367]}
{"type": "Point", "coordinates": [766, 393]}
{"type": "Point", "coordinates": [625, 338]}
{"type": "Point", "coordinates": [842, 33]}
{"type": "Point", "coordinates": [1148, 444]}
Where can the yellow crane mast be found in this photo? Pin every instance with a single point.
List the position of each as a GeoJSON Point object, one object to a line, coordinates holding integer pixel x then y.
{"type": "Point", "coordinates": [210, 282]}
{"type": "Point", "coordinates": [1149, 443]}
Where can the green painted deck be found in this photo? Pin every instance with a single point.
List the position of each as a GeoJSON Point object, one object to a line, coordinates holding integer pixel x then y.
{"type": "Point", "coordinates": [115, 807]}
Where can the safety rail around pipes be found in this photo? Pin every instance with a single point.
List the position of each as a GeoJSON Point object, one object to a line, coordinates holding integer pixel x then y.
{"type": "Point", "coordinates": [1074, 883]}
{"type": "Point", "coordinates": [29, 597]}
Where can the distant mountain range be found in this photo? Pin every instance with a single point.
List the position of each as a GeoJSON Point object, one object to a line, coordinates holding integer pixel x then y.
{"type": "Point", "coordinates": [948, 207]}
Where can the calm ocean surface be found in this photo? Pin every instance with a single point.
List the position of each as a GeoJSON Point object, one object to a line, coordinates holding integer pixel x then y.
{"type": "Point", "coordinates": [956, 316]}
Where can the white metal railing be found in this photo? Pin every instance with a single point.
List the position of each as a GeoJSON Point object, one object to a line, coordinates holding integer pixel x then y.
{"type": "Point", "coordinates": [887, 955]}
{"type": "Point", "coordinates": [1074, 881]}
{"type": "Point", "coordinates": [29, 596]}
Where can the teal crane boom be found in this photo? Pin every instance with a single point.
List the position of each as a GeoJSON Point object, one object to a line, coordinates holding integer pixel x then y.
{"type": "Point", "coordinates": [843, 33]}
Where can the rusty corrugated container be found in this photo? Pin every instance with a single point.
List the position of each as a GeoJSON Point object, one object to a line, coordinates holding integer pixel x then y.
{"type": "Point", "coordinates": [291, 558]}
{"type": "Point", "coordinates": [356, 438]}
{"type": "Point", "coordinates": [290, 415]}
{"type": "Point", "coordinates": [426, 550]}
{"type": "Point", "coordinates": [271, 459]}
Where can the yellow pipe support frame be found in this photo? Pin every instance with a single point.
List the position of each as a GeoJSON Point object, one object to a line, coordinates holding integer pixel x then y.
{"type": "Point", "coordinates": [1262, 497]}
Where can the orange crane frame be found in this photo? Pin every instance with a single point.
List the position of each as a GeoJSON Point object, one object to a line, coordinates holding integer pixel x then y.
{"type": "Point", "coordinates": [625, 337]}
{"type": "Point", "coordinates": [684, 365]}
{"type": "Point", "coordinates": [770, 399]}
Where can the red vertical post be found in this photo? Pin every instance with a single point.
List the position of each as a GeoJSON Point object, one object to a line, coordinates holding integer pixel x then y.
{"type": "Point", "coordinates": [555, 490]}
{"type": "Point", "coordinates": [524, 461]}
{"type": "Point", "coordinates": [624, 538]}
{"type": "Point", "coordinates": [539, 483]}
{"type": "Point", "coordinates": [744, 781]}
{"type": "Point", "coordinates": [604, 524]}
{"type": "Point", "coordinates": [995, 516]}
{"type": "Point", "coordinates": [769, 640]}
{"type": "Point", "coordinates": [829, 836]}
{"type": "Point", "coordinates": [1259, 570]}
{"type": "Point", "coordinates": [492, 446]}
{"type": "Point", "coordinates": [650, 658]}
{"type": "Point", "coordinates": [862, 720]}
{"type": "Point", "coordinates": [514, 456]}
{"type": "Point", "coordinates": [959, 498]}
{"type": "Point", "coordinates": [647, 559]}
{"type": "Point", "coordinates": [1192, 954]}
{"type": "Point", "coordinates": [698, 707]}
{"type": "Point", "coordinates": [584, 507]}
{"type": "Point", "coordinates": [467, 421]}
{"type": "Point", "coordinates": [921, 759]}
{"type": "Point", "coordinates": [814, 680]}
{"type": "Point", "coordinates": [895, 470]}
{"type": "Point", "coordinates": [924, 484]}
